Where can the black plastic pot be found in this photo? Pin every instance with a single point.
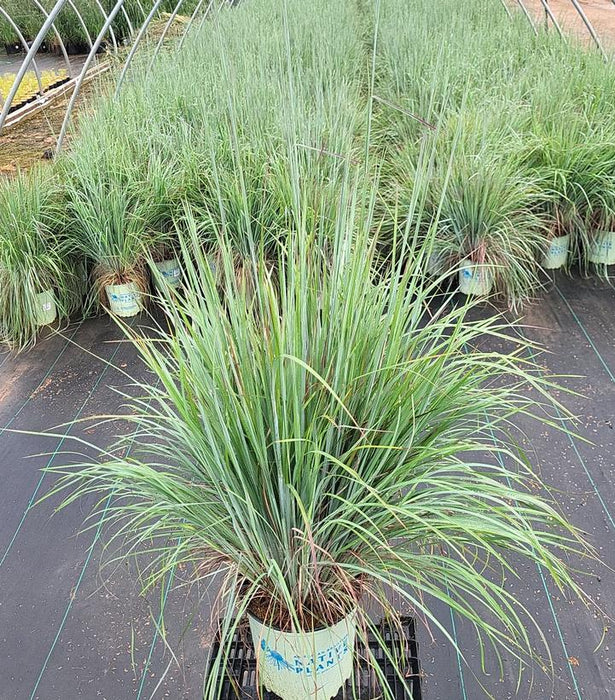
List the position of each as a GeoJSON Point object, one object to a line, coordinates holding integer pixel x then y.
{"type": "Point", "coordinates": [16, 47]}
{"type": "Point", "coordinates": [13, 48]}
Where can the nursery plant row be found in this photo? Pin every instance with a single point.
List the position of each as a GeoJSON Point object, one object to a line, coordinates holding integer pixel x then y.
{"type": "Point", "coordinates": [32, 85]}
{"type": "Point", "coordinates": [79, 21]}
{"type": "Point", "coordinates": [495, 147]}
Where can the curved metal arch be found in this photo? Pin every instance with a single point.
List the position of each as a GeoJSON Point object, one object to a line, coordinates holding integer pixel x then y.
{"type": "Point", "coordinates": [81, 22]}
{"type": "Point", "coordinates": [82, 75]}
{"type": "Point", "coordinates": [135, 44]}
{"type": "Point", "coordinates": [590, 27]}
{"type": "Point", "coordinates": [54, 29]}
{"type": "Point", "coordinates": [186, 30]}
{"type": "Point", "coordinates": [528, 16]}
{"type": "Point", "coordinates": [111, 32]}
{"type": "Point", "coordinates": [33, 50]}
{"type": "Point", "coordinates": [194, 14]}
{"type": "Point", "coordinates": [165, 31]}
{"type": "Point", "coordinates": [551, 16]}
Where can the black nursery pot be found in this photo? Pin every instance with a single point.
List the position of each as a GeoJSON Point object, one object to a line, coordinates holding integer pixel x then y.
{"type": "Point", "coordinates": [16, 47]}
{"type": "Point", "coordinates": [13, 48]}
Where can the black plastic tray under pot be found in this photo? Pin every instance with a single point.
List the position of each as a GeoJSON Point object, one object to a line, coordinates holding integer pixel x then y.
{"type": "Point", "coordinates": [240, 674]}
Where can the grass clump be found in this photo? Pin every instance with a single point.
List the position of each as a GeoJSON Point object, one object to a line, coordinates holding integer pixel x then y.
{"type": "Point", "coordinates": [33, 259]}
{"type": "Point", "coordinates": [463, 71]}
{"type": "Point", "coordinates": [321, 441]}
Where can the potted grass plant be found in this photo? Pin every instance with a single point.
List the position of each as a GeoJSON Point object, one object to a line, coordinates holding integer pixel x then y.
{"type": "Point", "coordinates": [571, 164]}
{"type": "Point", "coordinates": [562, 203]}
{"type": "Point", "coordinates": [38, 280]}
{"type": "Point", "coordinates": [598, 237]}
{"type": "Point", "coordinates": [107, 225]}
{"type": "Point", "coordinates": [488, 220]}
{"type": "Point", "coordinates": [322, 443]}
{"type": "Point", "coordinates": [122, 194]}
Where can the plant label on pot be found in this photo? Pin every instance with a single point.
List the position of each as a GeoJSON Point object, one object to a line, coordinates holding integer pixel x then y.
{"type": "Point", "coordinates": [602, 248]}
{"type": "Point", "coordinates": [475, 279]}
{"type": "Point", "coordinates": [171, 271]}
{"type": "Point", "coordinates": [46, 310]}
{"type": "Point", "coordinates": [124, 299]}
{"type": "Point", "coordinates": [557, 253]}
{"type": "Point", "coordinates": [304, 666]}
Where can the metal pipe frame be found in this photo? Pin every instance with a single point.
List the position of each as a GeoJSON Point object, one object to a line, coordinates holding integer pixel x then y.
{"type": "Point", "coordinates": [590, 27]}
{"type": "Point", "coordinates": [81, 22]}
{"type": "Point", "coordinates": [69, 69]}
{"type": "Point", "coordinates": [33, 50]}
{"type": "Point", "coordinates": [550, 16]}
{"type": "Point", "coordinates": [528, 16]}
{"type": "Point", "coordinates": [24, 43]}
{"type": "Point", "coordinates": [91, 56]}
{"type": "Point", "coordinates": [137, 38]}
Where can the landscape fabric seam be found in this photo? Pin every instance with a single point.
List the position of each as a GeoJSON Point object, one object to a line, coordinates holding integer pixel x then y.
{"type": "Point", "coordinates": [462, 683]}
{"type": "Point", "coordinates": [75, 589]}
{"type": "Point", "coordinates": [40, 384]}
{"type": "Point", "coordinates": [549, 597]}
{"type": "Point", "coordinates": [54, 454]}
{"type": "Point", "coordinates": [581, 460]}
{"type": "Point", "coordinates": [155, 637]}
{"type": "Point", "coordinates": [590, 478]}
{"type": "Point", "coordinates": [586, 334]}
{"type": "Point", "coordinates": [545, 587]}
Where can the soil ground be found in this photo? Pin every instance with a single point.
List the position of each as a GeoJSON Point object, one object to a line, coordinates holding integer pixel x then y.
{"type": "Point", "coordinates": [69, 629]}
{"type": "Point", "coordinates": [601, 14]}
{"type": "Point", "coordinates": [27, 142]}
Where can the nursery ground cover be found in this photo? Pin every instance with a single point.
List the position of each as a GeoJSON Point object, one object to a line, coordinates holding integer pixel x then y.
{"type": "Point", "coordinates": [68, 627]}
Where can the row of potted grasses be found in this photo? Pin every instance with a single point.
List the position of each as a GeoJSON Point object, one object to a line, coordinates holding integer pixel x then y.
{"type": "Point", "coordinates": [312, 441]}
{"type": "Point", "coordinates": [519, 131]}
{"type": "Point", "coordinates": [78, 28]}
{"type": "Point", "coordinates": [506, 173]}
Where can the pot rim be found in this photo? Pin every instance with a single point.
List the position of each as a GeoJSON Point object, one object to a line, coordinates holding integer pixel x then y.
{"type": "Point", "coordinates": [351, 614]}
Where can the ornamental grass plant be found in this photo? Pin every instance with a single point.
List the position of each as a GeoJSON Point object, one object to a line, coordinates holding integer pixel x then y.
{"type": "Point", "coordinates": [547, 121]}
{"type": "Point", "coordinates": [328, 440]}
{"type": "Point", "coordinates": [269, 88]}
{"type": "Point", "coordinates": [318, 436]}
{"type": "Point", "coordinates": [121, 195]}
{"type": "Point", "coordinates": [33, 259]}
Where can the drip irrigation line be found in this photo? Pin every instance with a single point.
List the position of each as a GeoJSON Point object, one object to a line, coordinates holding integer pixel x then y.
{"type": "Point", "coordinates": [155, 637]}
{"type": "Point", "coordinates": [543, 580]}
{"type": "Point", "coordinates": [73, 594]}
{"type": "Point", "coordinates": [462, 684]}
{"type": "Point", "coordinates": [54, 455]}
{"type": "Point", "coordinates": [590, 478]}
{"type": "Point", "coordinates": [160, 620]}
{"type": "Point", "coordinates": [549, 597]}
